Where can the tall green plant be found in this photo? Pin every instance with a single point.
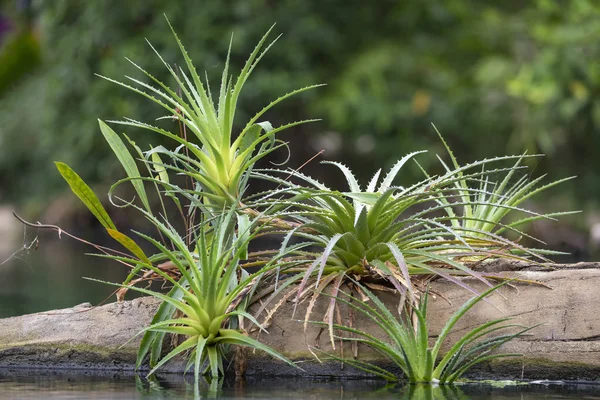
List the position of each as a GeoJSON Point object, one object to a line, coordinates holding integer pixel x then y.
{"type": "Point", "coordinates": [218, 162]}
{"type": "Point", "coordinates": [485, 209]}
{"type": "Point", "coordinates": [208, 282]}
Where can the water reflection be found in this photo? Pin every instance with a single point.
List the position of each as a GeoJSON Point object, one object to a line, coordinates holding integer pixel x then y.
{"type": "Point", "coordinates": [432, 392]}
{"type": "Point", "coordinates": [50, 385]}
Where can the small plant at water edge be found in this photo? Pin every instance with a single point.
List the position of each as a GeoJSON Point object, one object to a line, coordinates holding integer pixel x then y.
{"type": "Point", "coordinates": [208, 296]}
{"type": "Point", "coordinates": [408, 342]}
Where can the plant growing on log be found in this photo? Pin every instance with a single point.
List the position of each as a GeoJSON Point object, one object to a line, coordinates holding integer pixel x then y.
{"type": "Point", "coordinates": [208, 295]}
{"type": "Point", "coordinates": [408, 347]}
{"type": "Point", "coordinates": [386, 233]}
{"type": "Point", "coordinates": [483, 209]}
{"type": "Point", "coordinates": [370, 232]}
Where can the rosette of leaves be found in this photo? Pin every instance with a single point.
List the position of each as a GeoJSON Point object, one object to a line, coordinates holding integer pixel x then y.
{"type": "Point", "coordinates": [209, 286]}
{"type": "Point", "coordinates": [407, 343]}
{"type": "Point", "coordinates": [215, 158]}
{"type": "Point", "coordinates": [388, 230]}
{"type": "Point", "coordinates": [384, 232]}
{"type": "Point", "coordinates": [361, 232]}
{"type": "Point", "coordinates": [485, 205]}
{"type": "Point", "coordinates": [209, 297]}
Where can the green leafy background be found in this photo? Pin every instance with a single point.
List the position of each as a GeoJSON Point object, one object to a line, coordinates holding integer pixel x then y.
{"type": "Point", "coordinates": [495, 78]}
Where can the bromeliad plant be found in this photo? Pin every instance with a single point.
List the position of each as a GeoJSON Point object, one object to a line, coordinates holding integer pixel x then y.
{"type": "Point", "coordinates": [486, 208]}
{"type": "Point", "coordinates": [408, 344]}
{"type": "Point", "coordinates": [218, 162]}
{"type": "Point", "coordinates": [208, 295]}
{"type": "Point", "coordinates": [369, 233]}
{"type": "Point", "coordinates": [388, 231]}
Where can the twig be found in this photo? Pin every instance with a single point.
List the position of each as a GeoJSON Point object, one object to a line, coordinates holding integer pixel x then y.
{"type": "Point", "coordinates": [105, 250]}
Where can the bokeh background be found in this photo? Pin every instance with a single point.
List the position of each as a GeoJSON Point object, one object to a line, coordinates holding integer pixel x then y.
{"type": "Point", "coordinates": [494, 77]}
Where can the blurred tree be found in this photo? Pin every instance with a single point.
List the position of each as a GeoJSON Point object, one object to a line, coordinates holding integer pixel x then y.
{"type": "Point", "coordinates": [494, 77]}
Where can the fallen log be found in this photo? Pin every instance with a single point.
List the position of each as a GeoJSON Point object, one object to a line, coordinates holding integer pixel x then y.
{"type": "Point", "coordinates": [566, 346]}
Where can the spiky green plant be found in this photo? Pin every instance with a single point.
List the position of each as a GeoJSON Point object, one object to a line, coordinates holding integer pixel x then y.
{"type": "Point", "coordinates": [485, 209]}
{"type": "Point", "coordinates": [216, 159]}
{"type": "Point", "coordinates": [219, 160]}
{"type": "Point", "coordinates": [209, 285]}
{"type": "Point", "coordinates": [407, 345]}
{"type": "Point", "coordinates": [383, 230]}
{"type": "Point", "coordinates": [208, 295]}
{"type": "Point", "coordinates": [208, 282]}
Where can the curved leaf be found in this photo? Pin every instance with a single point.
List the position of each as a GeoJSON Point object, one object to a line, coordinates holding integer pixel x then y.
{"type": "Point", "coordinates": [127, 161]}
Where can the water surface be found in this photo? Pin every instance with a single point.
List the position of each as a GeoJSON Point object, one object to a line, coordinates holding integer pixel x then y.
{"type": "Point", "coordinates": [48, 275]}
{"type": "Point", "coordinates": [50, 385]}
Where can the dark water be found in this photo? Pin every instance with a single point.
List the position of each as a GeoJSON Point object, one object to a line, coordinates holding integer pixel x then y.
{"type": "Point", "coordinates": [48, 275]}
{"type": "Point", "coordinates": [32, 384]}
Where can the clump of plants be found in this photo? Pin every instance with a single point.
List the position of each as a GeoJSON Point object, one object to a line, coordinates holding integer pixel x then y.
{"type": "Point", "coordinates": [383, 235]}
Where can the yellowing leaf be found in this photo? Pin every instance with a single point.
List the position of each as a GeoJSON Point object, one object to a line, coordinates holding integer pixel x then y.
{"type": "Point", "coordinates": [129, 244]}
{"type": "Point", "coordinates": [85, 194]}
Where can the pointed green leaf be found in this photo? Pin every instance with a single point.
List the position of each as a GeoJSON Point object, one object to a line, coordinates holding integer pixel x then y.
{"type": "Point", "coordinates": [159, 168]}
{"type": "Point", "coordinates": [391, 175]}
{"type": "Point", "coordinates": [129, 244]}
{"type": "Point", "coordinates": [85, 194]}
{"type": "Point", "coordinates": [350, 178]}
{"type": "Point", "coordinates": [244, 225]}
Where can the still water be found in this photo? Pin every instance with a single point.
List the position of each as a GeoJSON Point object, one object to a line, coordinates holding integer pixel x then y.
{"type": "Point", "coordinates": [45, 273]}
{"type": "Point", "coordinates": [20, 384]}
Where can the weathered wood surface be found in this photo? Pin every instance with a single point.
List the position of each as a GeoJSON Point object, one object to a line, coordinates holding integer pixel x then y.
{"type": "Point", "coordinates": [566, 346]}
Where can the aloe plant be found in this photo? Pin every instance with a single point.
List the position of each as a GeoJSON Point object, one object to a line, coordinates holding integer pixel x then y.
{"type": "Point", "coordinates": [408, 344]}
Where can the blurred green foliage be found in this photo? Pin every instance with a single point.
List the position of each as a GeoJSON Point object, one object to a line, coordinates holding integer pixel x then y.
{"type": "Point", "coordinates": [495, 77]}
{"type": "Point", "coordinates": [20, 55]}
